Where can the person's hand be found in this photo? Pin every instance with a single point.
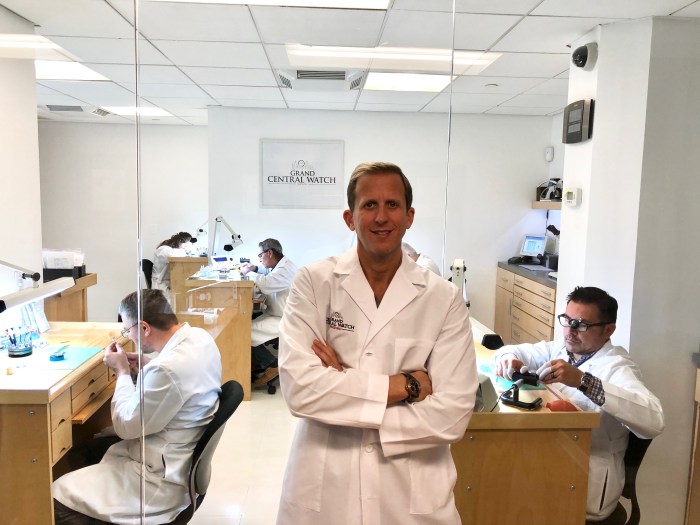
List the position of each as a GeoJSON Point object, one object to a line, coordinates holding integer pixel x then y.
{"type": "Point", "coordinates": [247, 267]}
{"type": "Point", "coordinates": [559, 371]}
{"type": "Point", "coordinates": [115, 358]}
{"type": "Point", "coordinates": [326, 354]}
{"type": "Point", "coordinates": [508, 364]}
{"type": "Point", "coordinates": [133, 359]}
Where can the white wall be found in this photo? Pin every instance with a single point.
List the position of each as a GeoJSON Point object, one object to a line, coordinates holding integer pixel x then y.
{"type": "Point", "coordinates": [497, 162]}
{"type": "Point", "coordinates": [89, 193]}
{"type": "Point", "coordinates": [636, 230]}
{"type": "Point", "coordinates": [20, 227]}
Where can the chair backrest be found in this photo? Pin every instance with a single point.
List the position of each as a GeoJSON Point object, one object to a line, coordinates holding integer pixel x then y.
{"type": "Point", "coordinates": [200, 471]}
{"type": "Point", "coordinates": [147, 269]}
{"type": "Point", "coordinates": [636, 449]}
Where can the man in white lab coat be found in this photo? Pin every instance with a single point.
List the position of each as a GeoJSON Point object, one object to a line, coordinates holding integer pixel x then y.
{"type": "Point", "coordinates": [181, 390]}
{"type": "Point", "coordinates": [598, 376]}
{"type": "Point", "coordinates": [377, 358]}
{"type": "Point", "coordinates": [273, 279]}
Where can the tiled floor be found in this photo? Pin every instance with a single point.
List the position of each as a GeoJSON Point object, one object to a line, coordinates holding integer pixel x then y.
{"type": "Point", "coordinates": [248, 464]}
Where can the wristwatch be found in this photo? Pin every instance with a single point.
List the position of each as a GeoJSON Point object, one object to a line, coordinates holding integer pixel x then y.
{"type": "Point", "coordinates": [586, 382]}
{"type": "Point", "coordinates": [412, 388]}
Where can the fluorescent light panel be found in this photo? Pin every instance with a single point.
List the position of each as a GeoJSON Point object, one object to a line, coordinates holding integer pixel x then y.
{"type": "Point", "coordinates": [28, 295]}
{"type": "Point", "coordinates": [331, 4]}
{"type": "Point", "coordinates": [390, 58]}
{"type": "Point", "coordinates": [126, 111]}
{"type": "Point", "coordinates": [406, 82]}
{"type": "Point", "coordinates": [56, 70]}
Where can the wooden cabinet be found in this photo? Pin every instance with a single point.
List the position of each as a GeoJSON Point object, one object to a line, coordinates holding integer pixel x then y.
{"type": "Point", "coordinates": [70, 304]}
{"type": "Point", "coordinates": [525, 308]}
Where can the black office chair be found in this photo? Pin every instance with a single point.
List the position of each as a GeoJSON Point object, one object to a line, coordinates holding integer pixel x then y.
{"type": "Point", "coordinates": [634, 454]}
{"type": "Point", "coordinates": [147, 269]}
{"type": "Point", "coordinates": [200, 471]}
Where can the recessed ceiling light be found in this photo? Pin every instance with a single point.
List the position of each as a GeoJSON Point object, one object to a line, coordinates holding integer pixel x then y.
{"type": "Point", "coordinates": [58, 70]}
{"type": "Point", "coordinates": [31, 47]}
{"type": "Point", "coordinates": [406, 82]}
{"type": "Point", "coordinates": [390, 58]}
{"type": "Point", "coordinates": [337, 4]}
{"type": "Point", "coordinates": [126, 111]}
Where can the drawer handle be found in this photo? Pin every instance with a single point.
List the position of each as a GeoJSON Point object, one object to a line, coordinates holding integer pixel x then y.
{"type": "Point", "coordinates": [504, 279]}
{"type": "Point", "coordinates": [519, 294]}
{"type": "Point", "coordinates": [92, 394]}
{"type": "Point", "coordinates": [515, 317]}
{"type": "Point", "coordinates": [544, 318]}
{"type": "Point", "coordinates": [544, 336]}
{"type": "Point", "coordinates": [63, 420]}
{"type": "Point", "coordinates": [545, 305]}
{"type": "Point", "coordinates": [546, 294]}
{"type": "Point", "coordinates": [91, 382]}
{"type": "Point", "coordinates": [516, 333]}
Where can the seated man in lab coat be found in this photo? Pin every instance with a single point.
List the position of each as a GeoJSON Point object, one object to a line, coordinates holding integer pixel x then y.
{"type": "Point", "coordinates": [377, 358]}
{"type": "Point", "coordinates": [181, 378]}
{"type": "Point", "coordinates": [598, 376]}
{"type": "Point", "coordinates": [420, 258]}
{"type": "Point", "coordinates": [273, 279]}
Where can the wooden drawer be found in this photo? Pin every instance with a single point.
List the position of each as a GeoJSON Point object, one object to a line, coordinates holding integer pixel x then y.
{"type": "Point", "coordinates": [537, 288]}
{"type": "Point", "coordinates": [531, 325]}
{"type": "Point", "coordinates": [504, 279]}
{"type": "Point", "coordinates": [88, 380]}
{"type": "Point", "coordinates": [537, 300]}
{"type": "Point", "coordinates": [535, 312]}
{"type": "Point", "coordinates": [60, 410]}
{"type": "Point", "coordinates": [61, 440]}
{"type": "Point", "coordinates": [518, 336]}
{"type": "Point", "coordinates": [97, 386]}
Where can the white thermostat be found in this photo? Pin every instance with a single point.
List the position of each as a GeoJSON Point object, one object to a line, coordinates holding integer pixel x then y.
{"type": "Point", "coordinates": [572, 196]}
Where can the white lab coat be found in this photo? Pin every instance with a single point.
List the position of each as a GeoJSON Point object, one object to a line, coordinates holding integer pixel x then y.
{"type": "Point", "coordinates": [427, 262]}
{"type": "Point", "coordinates": [160, 278]}
{"type": "Point", "coordinates": [181, 395]}
{"type": "Point", "coordinates": [355, 460]}
{"type": "Point", "coordinates": [274, 284]}
{"type": "Point", "coordinates": [629, 405]}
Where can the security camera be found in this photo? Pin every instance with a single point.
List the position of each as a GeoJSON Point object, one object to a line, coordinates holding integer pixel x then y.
{"type": "Point", "coordinates": [585, 56]}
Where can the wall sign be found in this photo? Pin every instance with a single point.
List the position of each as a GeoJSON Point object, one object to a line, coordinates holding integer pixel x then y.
{"type": "Point", "coordinates": [302, 173]}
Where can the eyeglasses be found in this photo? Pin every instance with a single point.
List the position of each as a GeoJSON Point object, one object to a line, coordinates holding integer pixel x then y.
{"type": "Point", "coordinates": [577, 324]}
{"type": "Point", "coordinates": [126, 331]}
{"type": "Point", "coordinates": [261, 254]}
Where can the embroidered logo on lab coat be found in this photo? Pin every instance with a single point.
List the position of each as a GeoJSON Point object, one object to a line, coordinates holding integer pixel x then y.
{"type": "Point", "coordinates": [335, 322]}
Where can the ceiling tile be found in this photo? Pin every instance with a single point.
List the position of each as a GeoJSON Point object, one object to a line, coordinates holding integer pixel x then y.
{"type": "Point", "coordinates": [211, 22]}
{"type": "Point", "coordinates": [147, 74]}
{"type": "Point", "coordinates": [333, 106]}
{"type": "Point", "coordinates": [511, 7]}
{"type": "Point", "coordinates": [252, 103]}
{"type": "Point", "coordinates": [537, 101]}
{"type": "Point", "coordinates": [318, 27]}
{"type": "Point", "coordinates": [94, 93]}
{"type": "Point", "coordinates": [555, 86]}
{"type": "Point", "coordinates": [182, 106]}
{"type": "Point", "coordinates": [72, 18]}
{"type": "Point", "coordinates": [191, 91]}
{"type": "Point", "coordinates": [291, 95]}
{"type": "Point", "coordinates": [692, 10]}
{"type": "Point", "coordinates": [478, 84]}
{"type": "Point", "coordinates": [110, 50]}
{"type": "Point", "coordinates": [528, 65]}
{"type": "Point", "coordinates": [418, 29]}
{"type": "Point", "coordinates": [544, 34]}
{"type": "Point", "coordinates": [407, 108]}
{"type": "Point", "coordinates": [500, 110]}
{"type": "Point", "coordinates": [608, 9]}
{"type": "Point", "coordinates": [223, 76]}
{"type": "Point", "coordinates": [213, 54]}
{"type": "Point", "coordinates": [395, 97]}
{"type": "Point", "coordinates": [243, 92]}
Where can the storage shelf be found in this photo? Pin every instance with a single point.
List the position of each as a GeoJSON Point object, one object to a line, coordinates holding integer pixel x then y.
{"type": "Point", "coordinates": [546, 205]}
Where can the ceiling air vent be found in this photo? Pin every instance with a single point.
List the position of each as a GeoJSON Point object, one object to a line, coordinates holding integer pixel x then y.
{"type": "Point", "coordinates": [100, 112]}
{"type": "Point", "coordinates": [307, 80]}
{"type": "Point", "coordinates": [74, 109]}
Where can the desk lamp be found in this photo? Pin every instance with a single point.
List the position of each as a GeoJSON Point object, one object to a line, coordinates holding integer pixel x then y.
{"type": "Point", "coordinates": [36, 292]}
{"type": "Point", "coordinates": [228, 247]}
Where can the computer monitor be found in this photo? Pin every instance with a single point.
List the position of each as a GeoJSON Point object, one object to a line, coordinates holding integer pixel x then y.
{"type": "Point", "coordinates": [533, 245]}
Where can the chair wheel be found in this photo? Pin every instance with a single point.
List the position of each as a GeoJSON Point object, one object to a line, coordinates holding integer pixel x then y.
{"type": "Point", "coordinates": [271, 389]}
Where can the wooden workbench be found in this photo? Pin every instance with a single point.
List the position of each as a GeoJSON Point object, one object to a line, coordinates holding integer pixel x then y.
{"type": "Point", "coordinates": [42, 411]}
{"type": "Point", "coordinates": [529, 468]}
{"type": "Point", "coordinates": [71, 304]}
